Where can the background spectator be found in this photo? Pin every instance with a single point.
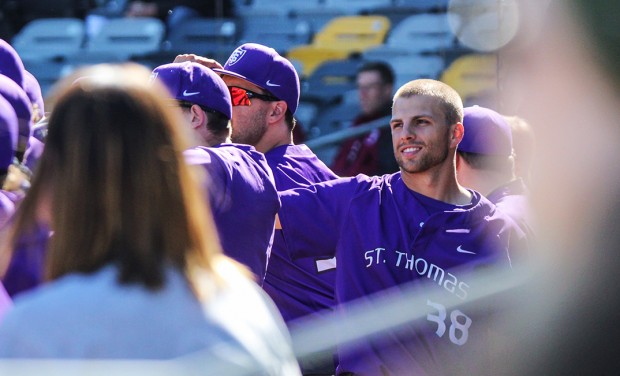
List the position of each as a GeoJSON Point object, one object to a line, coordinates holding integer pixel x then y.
{"type": "Point", "coordinates": [371, 154]}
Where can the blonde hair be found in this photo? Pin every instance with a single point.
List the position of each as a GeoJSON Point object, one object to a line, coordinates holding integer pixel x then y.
{"type": "Point", "coordinates": [449, 99]}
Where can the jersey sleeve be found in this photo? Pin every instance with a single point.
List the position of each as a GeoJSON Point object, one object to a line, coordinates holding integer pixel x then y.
{"type": "Point", "coordinates": [311, 217]}
{"type": "Point", "coordinates": [219, 176]}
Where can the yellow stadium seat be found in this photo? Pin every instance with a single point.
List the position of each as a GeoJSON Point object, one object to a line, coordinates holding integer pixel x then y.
{"type": "Point", "coordinates": [339, 38]}
{"type": "Point", "coordinates": [471, 74]}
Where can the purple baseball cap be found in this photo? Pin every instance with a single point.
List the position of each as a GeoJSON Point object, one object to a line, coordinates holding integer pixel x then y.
{"type": "Point", "coordinates": [195, 83]}
{"type": "Point", "coordinates": [33, 90]}
{"type": "Point", "coordinates": [265, 68]}
{"type": "Point", "coordinates": [18, 99]}
{"type": "Point", "coordinates": [486, 132]}
{"type": "Point", "coordinates": [8, 133]}
{"type": "Point", "coordinates": [11, 64]}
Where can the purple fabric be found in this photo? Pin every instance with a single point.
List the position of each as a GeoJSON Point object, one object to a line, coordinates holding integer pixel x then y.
{"type": "Point", "coordinates": [33, 90]}
{"type": "Point", "coordinates": [8, 134]}
{"type": "Point", "coordinates": [5, 302]}
{"type": "Point", "coordinates": [384, 236]}
{"type": "Point", "coordinates": [33, 153]}
{"type": "Point", "coordinates": [8, 205]}
{"type": "Point", "coordinates": [27, 268]}
{"type": "Point", "coordinates": [18, 99]}
{"type": "Point", "coordinates": [264, 67]}
{"type": "Point", "coordinates": [512, 199]}
{"type": "Point", "coordinates": [486, 132]}
{"type": "Point", "coordinates": [297, 286]}
{"type": "Point", "coordinates": [11, 64]}
{"type": "Point", "coordinates": [243, 199]}
{"type": "Point", "coordinates": [195, 83]}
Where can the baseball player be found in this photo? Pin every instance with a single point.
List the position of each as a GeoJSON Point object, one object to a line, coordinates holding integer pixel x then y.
{"type": "Point", "coordinates": [25, 269]}
{"type": "Point", "coordinates": [8, 145]}
{"type": "Point", "coordinates": [485, 163]}
{"type": "Point", "coordinates": [241, 188]}
{"type": "Point", "coordinates": [265, 93]}
{"type": "Point", "coordinates": [417, 227]}
{"type": "Point", "coordinates": [20, 102]}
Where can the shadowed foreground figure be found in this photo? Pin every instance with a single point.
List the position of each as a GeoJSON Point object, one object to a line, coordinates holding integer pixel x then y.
{"type": "Point", "coordinates": [134, 266]}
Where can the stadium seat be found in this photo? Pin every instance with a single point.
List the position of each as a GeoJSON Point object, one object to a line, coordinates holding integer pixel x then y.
{"type": "Point", "coordinates": [423, 5]}
{"type": "Point", "coordinates": [281, 7]}
{"type": "Point", "coordinates": [416, 34]}
{"type": "Point", "coordinates": [330, 81]}
{"type": "Point", "coordinates": [412, 67]}
{"type": "Point", "coordinates": [472, 74]}
{"type": "Point", "coordinates": [356, 6]}
{"type": "Point", "coordinates": [306, 116]}
{"type": "Point", "coordinates": [335, 117]}
{"type": "Point", "coordinates": [401, 9]}
{"type": "Point", "coordinates": [49, 38]}
{"type": "Point", "coordinates": [317, 18]}
{"type": "Point", "coordinates": [340, 38]}
{"type": "Point", "coordinates": [121, 39]}
{"type": "Point", "coordinates": [48, 72]}
{"type": "Point", "coordinates": [280, 32]}
{"type": "Point", "coordinates": [203, 36]}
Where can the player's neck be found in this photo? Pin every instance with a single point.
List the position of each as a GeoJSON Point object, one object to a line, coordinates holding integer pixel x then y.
{"type": "Point", "coordinates": [437, 184]}
{"type": "Point", "coordinates": [275, 136]}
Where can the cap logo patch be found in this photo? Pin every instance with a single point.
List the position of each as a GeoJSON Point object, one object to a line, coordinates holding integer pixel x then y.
{"type": "Point", "coordinates": [235, 56]}
{"type": "Point", "coordinates": [153, 77]}
{"type": "Point", "coordinates": [186, 94]}
{"type": "Point", "coordinates": [270, 84]}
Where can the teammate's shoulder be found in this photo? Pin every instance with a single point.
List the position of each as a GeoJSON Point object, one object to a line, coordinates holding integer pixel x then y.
{"type": "Point", "coordinates": [198, 155]}
{"type": "Point", "coordinates": [377, 181]}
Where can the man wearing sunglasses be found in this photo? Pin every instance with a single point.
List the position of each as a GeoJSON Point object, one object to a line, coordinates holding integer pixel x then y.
{"type": "Point", "coordinates": [241, 187]}
{"type": "Point", "coordinates": [265, 91]}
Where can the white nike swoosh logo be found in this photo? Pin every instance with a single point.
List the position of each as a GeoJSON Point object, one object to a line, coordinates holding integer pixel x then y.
{"type": "Point", "coordinates": [460, 249]}
{"type": "Point", "coordinates": [270, 84]}
{"type": "Point", "coordinates": [186, 94]}
{"type": "Point", "coordinates": [459, 231]}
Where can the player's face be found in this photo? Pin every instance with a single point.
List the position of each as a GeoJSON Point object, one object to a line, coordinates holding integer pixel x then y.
{"type": "Point", "coordinates": [373, 93]}
{"type": "Point", "coordinates": [249, 123]}
{"type": "Point", "coordinates": [420, 135]}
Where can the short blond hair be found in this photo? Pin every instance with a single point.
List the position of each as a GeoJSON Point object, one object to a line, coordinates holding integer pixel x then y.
{"type": "Point", "coordinates": [448, 98]}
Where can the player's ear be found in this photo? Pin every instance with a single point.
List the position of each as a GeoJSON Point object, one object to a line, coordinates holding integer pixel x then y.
{"type": "Point", "coordinates": [457, 134]}
{"type": "Point", "coordinates": [278, 109]}
{"type": "Point", "coordinates": [198, 116]}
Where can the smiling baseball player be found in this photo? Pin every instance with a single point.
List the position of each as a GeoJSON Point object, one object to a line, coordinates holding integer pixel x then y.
{"type": "Point", "coordinates": [417, 226]}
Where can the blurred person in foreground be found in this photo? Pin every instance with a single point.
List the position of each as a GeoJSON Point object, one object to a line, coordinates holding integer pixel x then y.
{"type": "Point", "coordinates": [134, 266]}
{"type": "Point", "coordinates": [241, 188]}
{"type": "Point", "coordinates": [524, 146]}
{"type": "Point", "coordinates": [563, 71]}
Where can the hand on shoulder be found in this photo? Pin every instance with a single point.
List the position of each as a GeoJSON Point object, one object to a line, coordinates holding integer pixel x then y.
{"type": "Point", "coordinates": [209, 63]}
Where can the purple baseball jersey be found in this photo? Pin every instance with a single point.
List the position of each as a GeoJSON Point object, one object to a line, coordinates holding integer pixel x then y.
{"type": "Point", "coordinates": [385, 235]}
{"type": "Point", "coordinates": [27, 266]}
{"type": "Point", "coordinates": [306, 285]}
{"type": "Point", "coordinates": [243, 199]}
{"type": "Point", "coordinates": [8, 203]}
{"type": "Point", "coordinates": [511, 199]}
{"type": "Point", "coordinates": [5, 302]}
